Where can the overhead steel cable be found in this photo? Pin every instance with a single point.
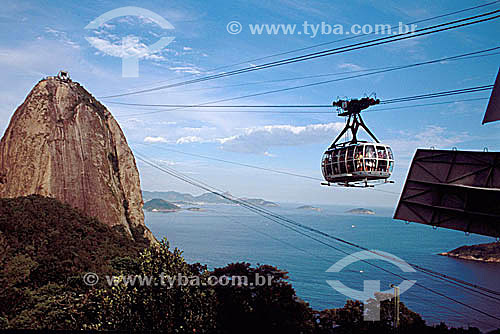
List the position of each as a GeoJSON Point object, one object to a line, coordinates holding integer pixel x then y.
{"type": "Point", "coordinates": [277, 218]}
{"type": "Point", "coordinates": [437, 320]}
{"type": "Point", "coordinates": [257, 167]}
{"type": "Point", "coordinates": [327, 81]}
{"type": "Point", "coordinates": [394, 100]}
{"type": "Point", "coordinates": [267, 212]}
{"type": "Point", "coordinates": [379, 41]}
{"type": "Point", "coordinates": [438, 94]}
{"type": "Point", "coordinates": [310, 76]}
{"type": "Point", "coordinates": [354, 37]}
{"type": "Point", "coordinates": [331, 42]}
{"type": "Point", "coordinates": [237, 163]}
{"type": "Point", "coordinates": [436, 278]}
{"type": "Point", "coordinates": [330, 112]}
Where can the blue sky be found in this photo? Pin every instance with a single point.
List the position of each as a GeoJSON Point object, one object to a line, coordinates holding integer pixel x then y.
{"type": "Point", "coordinates": [38, 38]}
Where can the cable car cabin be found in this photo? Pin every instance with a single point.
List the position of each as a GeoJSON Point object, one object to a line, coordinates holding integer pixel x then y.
{"type": "Point", "coordinates": [359, 162]}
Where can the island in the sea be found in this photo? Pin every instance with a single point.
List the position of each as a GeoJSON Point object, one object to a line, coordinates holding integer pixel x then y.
{"type": "Point", "coordinates": [489, 252]}
{"type": "Point", "coordinates": [196, 209]}
{"type": "Point", "coordinates": [361, 211]}
{"type": "Point", "coordinates": [160, 205]}
{"type": "Point", "coordinates": [309, 207]}
{"type": "Point", "coordinates": [260, 202]}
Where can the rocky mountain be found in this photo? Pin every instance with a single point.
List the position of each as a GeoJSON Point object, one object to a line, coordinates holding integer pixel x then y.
{"type": "Point", "coordinates": [63, 143]}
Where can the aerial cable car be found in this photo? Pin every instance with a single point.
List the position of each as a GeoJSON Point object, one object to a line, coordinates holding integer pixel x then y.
{"type": "Point", "coordinates": [356, 163]}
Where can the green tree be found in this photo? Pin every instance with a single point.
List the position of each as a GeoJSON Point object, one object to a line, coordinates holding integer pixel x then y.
{"type": "Point", "coordinates": [253, 307]}
{"type": "Point", "coordinates": [156, 306]}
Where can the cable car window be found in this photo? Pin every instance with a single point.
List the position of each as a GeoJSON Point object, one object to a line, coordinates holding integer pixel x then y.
{"type": "Point", "coordinates": [391, 166]}
{"type": "Point", "coordinates": [369, 151]}
{"type": "Point", "coordinates": [335, 162]}
{"type": "Point", "coordinates": [350, 159]}
{"type": "Point", "coordinates": [350, 166]}
{"type": "Point", "coordinates": [389, 152]}
{"type": "Point", "coordinates": [370, 161]}
{"type": "Point", "coordinates": [329, 164]}
{"type": "Point", "coordinates": [342, 164]}
{"type": "Point", "coordinates": [350, 152]}
{"type": "Point", "coordinates": [358, 159]}
{"type": "Point", "coordinates": [381, 154]}
{"type": "Point", "coordinates": [324, 161]}
{"type": "Point", "coordinates": [382, 165]}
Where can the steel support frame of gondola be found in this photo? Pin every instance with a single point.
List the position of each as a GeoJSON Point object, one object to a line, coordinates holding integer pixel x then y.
{"type": "Point", "coordinates": [354, 121]}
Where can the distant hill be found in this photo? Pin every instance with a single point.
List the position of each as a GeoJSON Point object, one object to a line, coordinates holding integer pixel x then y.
{"type": "Point", "coordinates": [211, 198]}
{"type": "Point", "coordinates": [361, 211]}
{"type": "Point", "coordinates": [208, 198]}
{"type": "Point", "coordinates": [483, 252]}
{"type": "Point", "coordinates": [308, 207]}
{"type": "Point", "coordinates": [261, 202]}
{"type": "Point", "coordinates": [157, 204]}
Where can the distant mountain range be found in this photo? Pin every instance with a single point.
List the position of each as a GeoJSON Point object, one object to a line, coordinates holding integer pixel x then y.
{"type": "Point", "coordinates": [207, 198]}
{"type": "Point", "coordinates": [157, 204]}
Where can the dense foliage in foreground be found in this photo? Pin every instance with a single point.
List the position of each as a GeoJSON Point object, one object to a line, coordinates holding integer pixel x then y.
{"type": "Point", "coordinates": [46, 248]}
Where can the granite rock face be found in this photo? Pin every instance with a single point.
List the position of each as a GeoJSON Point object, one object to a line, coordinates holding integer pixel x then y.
{"type": "Point", "coordinates": [62, 143]}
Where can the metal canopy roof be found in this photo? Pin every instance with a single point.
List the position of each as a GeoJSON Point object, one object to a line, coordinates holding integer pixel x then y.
{"type": "Point", "coordinates": [459, 190]}
{"type": "Point", "coordinates": [493, 110]}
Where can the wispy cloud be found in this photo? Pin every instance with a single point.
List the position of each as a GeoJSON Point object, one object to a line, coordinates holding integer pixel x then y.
{"type": "Point", "coordinates": [155, 140]}
{"type": "Point", "coordinates": [129, 46]}
{"type": "Point", "coordinates": [261, 139]}
{"type": "Point", "coordinates": [430, 136]}
{"type": "Point", "coordinates": [62, 36]}
{"type": "Point", "coordinates": [186, 69]}
{"type": "Point", "coordinates": [190, 139]}
{"type": "Point", "coordinates": [350, 66]}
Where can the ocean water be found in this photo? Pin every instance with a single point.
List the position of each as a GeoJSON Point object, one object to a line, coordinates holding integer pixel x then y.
{"type": "Point", "coordinates": [224, 234]}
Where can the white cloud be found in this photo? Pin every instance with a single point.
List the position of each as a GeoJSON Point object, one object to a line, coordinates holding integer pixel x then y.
{"type": "Point", "coordinates": [438, 136]}
{"type": "Point", "coordinates": [430, 136]}
{"type": "Point", "coordinates": [187, 48]}
{"type": "Point", "coordinates": [350, 66]}
{"type": "Point", "coordinates": [62, 36]}
{"type": "Point", "coordinates": [190, 139]}
{"type": "Point", "coordinates": [260, 139]}
{"type": "Point", "coordinates": [186, 69]}
{"type": "Point", "coordinates": [166, 162]}
{"type": "Point", "coordinates": [155, 140]}
{"type": "Point", "coordinates": [129, 46]}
